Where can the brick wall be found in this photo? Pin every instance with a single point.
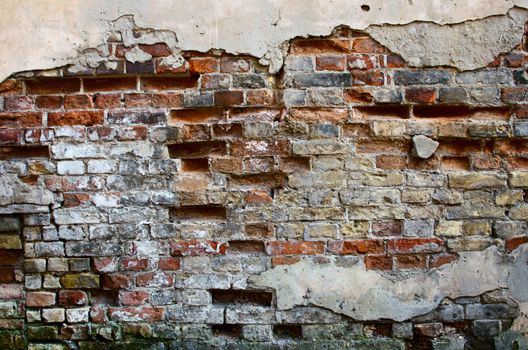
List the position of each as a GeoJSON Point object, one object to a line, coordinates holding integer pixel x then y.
{"type": "Point", "coordinates": [170, 186]}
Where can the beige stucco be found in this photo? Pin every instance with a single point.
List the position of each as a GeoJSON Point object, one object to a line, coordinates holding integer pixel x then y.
{"type": "Point", "coordinates": [41, 34]}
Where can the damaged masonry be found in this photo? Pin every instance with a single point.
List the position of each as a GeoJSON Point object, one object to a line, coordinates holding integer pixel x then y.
{"type": "Point", "coordinates": [345, 176]}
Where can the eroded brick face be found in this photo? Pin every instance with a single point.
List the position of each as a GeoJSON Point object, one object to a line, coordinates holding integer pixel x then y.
{"type": "Point", "coordinates": [146, 195]}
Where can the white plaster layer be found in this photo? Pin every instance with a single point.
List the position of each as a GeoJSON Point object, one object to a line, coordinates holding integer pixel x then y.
{"type": "Point", "coordinates": [372, 295]}
{"type": "Point", "coordinates": [41, 34]}
{"type": "Point", "coordinates": [469, 45]}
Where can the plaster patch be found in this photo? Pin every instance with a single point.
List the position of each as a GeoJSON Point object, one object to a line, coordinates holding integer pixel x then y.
{"type": "Point", "coordinates": [372, 295]}
{"type": "Point", "coordinates": [466, 46]}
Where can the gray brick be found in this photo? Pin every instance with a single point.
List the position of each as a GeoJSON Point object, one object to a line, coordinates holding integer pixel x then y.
{"type": "Point", "coordinates": [301, 80]}
{"type": "Point", "coordinates": [419, 77]}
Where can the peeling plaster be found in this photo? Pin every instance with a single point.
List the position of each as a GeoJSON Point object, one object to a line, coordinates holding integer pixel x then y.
{"type": "Point", "coordinates": [372, 295]}
{"type": "Point", "coordinates": [43, 34]}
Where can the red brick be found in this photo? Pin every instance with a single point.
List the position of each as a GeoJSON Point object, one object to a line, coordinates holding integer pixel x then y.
{"type": "Point", "coordinates": [202, 65]}
{"type": "Point", "coordinates": [411, 262]}
{"type": "Point", "coordinates": [354, 247]}
{"type": "Point", "coordinates": [228, 98]}
{"type": "Point", "coordinates": [512, 147]}
{"type": "Point", "coordinates": [261, 97]}
{"type": "Point", "coordinates": [234, 65]}
{"type": "Point", "coordinates": [318, 115]}
{"type": "Point", "coordinates": [194, 248]}
{"type": "Point", "coordinates": [104, 264]}
{"type": "Point", "coordinates": [48, 102]}
{"type": "Point", "coordinates": [195, 133]}
{"type": "Point", "coordinates": [78, 102]}
{"type": "Point", "coordinates": [7, 275]}
{"type": "Point", "coordinates": [10, 87]}
{"type": "Point", "coordinates": [168, 83]}
{"type": "Point", "coordinates": [438, 260]}
{"type": "Point", "coordinates": [53, 86]}
{"type": "Point", "coordinates": [320, 46]}
{"type": "Point", "coordinates": [261, 231]}
{"type": "Point", "coordinates": [391, 162]}
{"type": "Point", "coordinates": [154, 279]}
{"type": "Point", "coordinates": [197, 115]}
{"type": "Point", "coordinates": [75, 199]}
{"type": "Point", "coordinates": [394, 61]}
{"type": "Point", "coordinates": [10, 136]}
{"type": "Point", "coordinates": [18, 103]}
{"type": "Point", "coordinates": [116, 281]}
{"type": "Point", "coordinates": [145, 314]}
{"type": "Point", "coordinates": [162, 68]}
{"type": "Point", "coordinates": [361, 77]}
{"type": "Point", "coordinates": [156, 50]}
{"type": "Point", "coordinates": [105, 101]}
{"type": "Point", "coordinates": [227, 165]}
{"type": "Point", "coordinates": [294, 248]}
{"type": "Point", "coordinates": [378, 262]}
{"type": "Point", "coordinates": [420, 95]}
{"type": "Point", "coordinates": [513, 243]}
{"type": "Point", "coordinates": [76, 118]}
{"type": "Point", "coordinates": [40, 299]}
{"type": "Point", "coordinates": [367, 45]}
{"type": "Point", "coordinates": [487, 162]}
{"type": "Point", "coordinates": [357, 95]}
{"type": "Point", "coordinates": [294, 164]}
{"type": "Point", "coordinates": [362, 62]}
{"type": "Point", "coordinates": [11, 257]}
{"type": "Point", "coordinates": [72, 297]}
{"type": "Point", "coordinates": [455, 163]}
{"type": "Point", "coordinates": [284, 260]}
{"type": "Point", "coordinates": [20, 119]}
{"type": "Point", "coordinates": [134, 264]}
{"type": "Point", "coordinates": [109, 84]}
{"type": "Point", "coordinates": [259, 148]}
{"type": "Point", "coordinates": [459, 147]}
{"type": "Point", "coordinates": [170, 264]}
{"type": "Point", "coordinates": [98, 314]}
{"type": "Point", "coordinates": [227, 131]}
{"type": "Point", "coordinates": [331, 63]}
{"type": "Point", "coordinates": [257, 197]}
{"type": "Point", "coordinates": [134, 298]}
{"type": "Point", "coordinates": [415, 245]}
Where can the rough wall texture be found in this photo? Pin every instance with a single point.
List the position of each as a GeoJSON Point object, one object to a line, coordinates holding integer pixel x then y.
{"type": "Point", "coordinates": [164, 200]}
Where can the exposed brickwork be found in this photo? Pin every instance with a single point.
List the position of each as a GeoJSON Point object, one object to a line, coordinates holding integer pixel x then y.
{"type": "Point", "coordinates": [171, 185]}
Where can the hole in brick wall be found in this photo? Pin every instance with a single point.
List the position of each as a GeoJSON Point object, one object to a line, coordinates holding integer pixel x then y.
{"type": "Point", "coordinates": [365, 8]}
{"type": "Point", "coordinates": [11, 253]}
{"type": "Point", "coordinates": [287, 331]}
{"type": "Point", "coordinates": [105, 297]}
{"type": "Point", "coordinates": [227, 130]}
{"type": "Point", "coordinates": [246, 247]}
{"type": "Point", "coordinates": [271, 180]}
{"type": "Point", "coordinates": [24, 152]}
{"type": "Point", "coordinates": [379, 329]}
{"type": "Point", "coordinates": [195, 165]}
{"type": "Point", "coordinates": [231, 296]}
{"type": "Point", "coordinates": [227, 330]}
{"type": "Point", "coordinates": [197, 115]}
{"type": "Point", "coordinates": [199, 212]}
{"type": "Point", "coordinates": [197, 149]}
{"type": "Point", "coordinates": [462, 112]}
{"type": "Point", "coordinates": [53, 86]}
{"type": "Point", "coordinates": [388, 111]}
{"type": "Point", "coordinates": [109, 84]}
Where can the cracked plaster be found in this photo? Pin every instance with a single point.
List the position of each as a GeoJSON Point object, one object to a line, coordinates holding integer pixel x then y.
{"type": "Point", "coordinates": [43, 34]}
